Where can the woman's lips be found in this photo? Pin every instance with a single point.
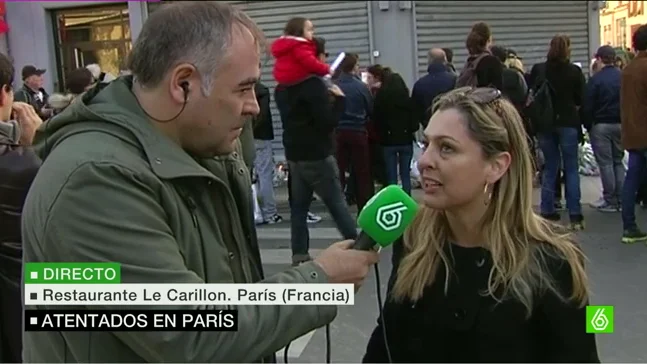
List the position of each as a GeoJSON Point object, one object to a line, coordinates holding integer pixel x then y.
{"type": "Point", "coordinates": [430, 184]}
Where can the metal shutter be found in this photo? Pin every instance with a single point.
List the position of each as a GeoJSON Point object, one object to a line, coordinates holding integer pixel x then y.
{"type": "Point", "coordinates": [344, 25]}
{"type": "Point", "coordinates": [526, 26]}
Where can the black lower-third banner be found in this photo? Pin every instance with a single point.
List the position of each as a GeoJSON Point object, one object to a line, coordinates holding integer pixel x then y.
{"type": "Point", "coordinates": [131, 320]}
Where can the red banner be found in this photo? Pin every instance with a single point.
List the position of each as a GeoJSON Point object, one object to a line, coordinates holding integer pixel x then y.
{"type": "Point", "coordinates": [4, 27]}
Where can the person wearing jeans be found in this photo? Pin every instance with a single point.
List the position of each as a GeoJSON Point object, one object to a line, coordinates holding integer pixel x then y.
{"type": "Point", "coordinates": [563, 132]}
{"type": "Point", "coordinates": [637, 168]}
{"type": "Point", "coordinates": [396, 123]}
{"type": "Point", "coordinates": [264, 159]}
{"type": "Point", "coordinates": [320, 177]}
{"type": "Point", "coordinates": [633, 96]}
{"type": "Point", "coordinates": [566, 140]}
{"type": "Point", "coordinates": [398, 163]}
{"type": "Point", "coordinates": [608, 152]}
{"type": "Point", "coordinates": [601, 115]}
{"type": "Point", "coordinates": [310, 111]}
{"type": "Point", "coordinates": [311, 218]}
{"type": "Point", "coordinates": [352, 148]}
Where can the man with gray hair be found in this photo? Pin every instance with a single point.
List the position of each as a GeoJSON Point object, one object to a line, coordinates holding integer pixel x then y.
{"type": "Point", "coordinates": [436, 82]}
{"type": "Point", "coordinates": [147, 173]}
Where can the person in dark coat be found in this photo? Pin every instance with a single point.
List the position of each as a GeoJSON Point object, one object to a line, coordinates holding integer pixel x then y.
{"type": "Point", "coordinates": [395, 121]}
{"type": "Point", "coordinates": [18, 168]}
{"type": "Point", "coordinates": [263, 131]}
{"type": "Point", "coordinates": [309, 120]}
{"type": "Point", "coordinates": [601, 118]}
{"type": "Point", "coordinates": [478, 277]}
{"type": "Point", "coordinates": [449, 53]}
{"type": "Point", "coordinates": [437, 81]}
{"type": "Point", "coordinates": [77, 82]}
{"type": "Point", "coordinates": [351, 136]}
{"type": "Point", "coordinates": [378, 169]}
{"type": "Point", "coordinates": [488, 68]}
{"type": "Point", "coordinates": [559, 142]}
{"type": "Point", "coordinates": [514, 84]}
{"type": "Point", "coordinates": [32, 91]}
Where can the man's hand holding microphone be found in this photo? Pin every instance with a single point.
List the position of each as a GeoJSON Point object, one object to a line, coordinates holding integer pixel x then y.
{"type": "Point", "coordinates": [343, 264]}
{"type": "Point", "coordinates": [383, 220]}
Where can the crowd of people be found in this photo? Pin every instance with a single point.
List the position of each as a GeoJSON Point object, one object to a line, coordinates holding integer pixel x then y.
{"type": "Point", "coordinates": [153, 170]}
{"type": "Point", "coordinates": [373, 137]}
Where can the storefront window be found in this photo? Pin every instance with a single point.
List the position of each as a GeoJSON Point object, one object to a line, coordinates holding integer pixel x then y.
{"type": "Point", "coordinates": [621, 32]}
{"type": "Point", "coordinates": [98, 35]}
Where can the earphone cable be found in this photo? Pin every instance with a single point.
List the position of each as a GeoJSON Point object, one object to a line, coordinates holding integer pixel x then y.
{"type": "Point", "coordinates": [167, 120]}
{"type": "Point", "coordinates": [185, 88]}
{"type": "Point", "coordinates": [285, 352]}
{"type": "Point", "coordinates": [328, 345]}
{"type": "Point", "coordinates": [328, 353]}
{"type": "Point", "coordinates": [380, 306]}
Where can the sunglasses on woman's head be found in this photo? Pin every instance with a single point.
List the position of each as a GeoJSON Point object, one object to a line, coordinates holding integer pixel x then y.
{"type": "Point", "coordinates": [484, 95]}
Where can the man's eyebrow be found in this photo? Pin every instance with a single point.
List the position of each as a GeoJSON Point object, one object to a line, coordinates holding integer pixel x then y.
{"type": "Point", "coordinates": [248, 82]}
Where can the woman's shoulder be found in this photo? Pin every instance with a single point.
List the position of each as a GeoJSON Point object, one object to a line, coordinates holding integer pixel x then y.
{"type": "Point", "coordinates": [556, 253]}
{"type": "Point", "coordinates": [561, 264]}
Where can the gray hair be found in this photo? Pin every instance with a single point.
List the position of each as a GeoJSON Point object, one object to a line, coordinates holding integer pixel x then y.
{"type": "Point", "coordinates": [195, 32]}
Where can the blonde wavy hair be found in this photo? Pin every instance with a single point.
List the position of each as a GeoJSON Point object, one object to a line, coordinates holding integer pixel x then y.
{"type": "Point", "coordinates": [521, 242]}
{"type": "Point", "coordinates": [515, 63]}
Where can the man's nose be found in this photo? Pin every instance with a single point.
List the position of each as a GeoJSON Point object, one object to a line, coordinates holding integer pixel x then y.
{"type": "Point", "coordinates": [252, 108]}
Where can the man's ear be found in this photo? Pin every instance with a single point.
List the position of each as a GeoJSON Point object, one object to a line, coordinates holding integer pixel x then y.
{"type": "Point", "coordinates": [4, 93]}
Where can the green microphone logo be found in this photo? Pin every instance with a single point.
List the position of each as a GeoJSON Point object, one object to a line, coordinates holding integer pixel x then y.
{"type": "Point", "coordinates": [387, 215]}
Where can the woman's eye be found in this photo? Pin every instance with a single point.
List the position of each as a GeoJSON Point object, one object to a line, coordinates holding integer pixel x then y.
{"type": "Point", "coordinates": [446, 149]}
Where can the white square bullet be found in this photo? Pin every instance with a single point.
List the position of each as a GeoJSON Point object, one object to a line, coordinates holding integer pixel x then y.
{"type": "Point", "coordinates": [33, 320]}
{"type": "Point", "coordinates": [33, 275]}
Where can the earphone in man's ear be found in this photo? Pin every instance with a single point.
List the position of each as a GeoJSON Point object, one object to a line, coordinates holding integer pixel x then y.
{"type": "Point", "coordinates": [185, 88]}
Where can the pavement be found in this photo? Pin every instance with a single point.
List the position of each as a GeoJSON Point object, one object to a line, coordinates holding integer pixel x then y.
{"type": "Point", "coordinates": [617, 273]}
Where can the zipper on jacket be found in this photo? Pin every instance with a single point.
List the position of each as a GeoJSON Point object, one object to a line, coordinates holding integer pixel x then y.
{"type": "Point", "coordinates": [190, 203]}
{"type": "Point", "coordinates": [192, 208]}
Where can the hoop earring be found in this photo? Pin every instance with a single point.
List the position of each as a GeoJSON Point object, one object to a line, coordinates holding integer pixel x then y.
{"type": "Point", "coordinates": [488, 194]}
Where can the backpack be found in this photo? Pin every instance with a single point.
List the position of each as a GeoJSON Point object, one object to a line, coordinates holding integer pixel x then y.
{"type": "Point", "coordinates": [514, 88]}
{"type": "Point", "coordinates": [468, 76]}
{"type": "Point", "coordinates": [540, 104]}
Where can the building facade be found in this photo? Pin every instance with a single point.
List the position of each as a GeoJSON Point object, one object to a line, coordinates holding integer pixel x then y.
{"type": "Point", "coordinates": [60, 36]}
{"type": "Point", "coordinates": [619, 20]}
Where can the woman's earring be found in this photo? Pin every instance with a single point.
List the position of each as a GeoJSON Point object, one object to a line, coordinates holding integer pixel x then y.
{"type": "Point", "coordinates": [488, 194]}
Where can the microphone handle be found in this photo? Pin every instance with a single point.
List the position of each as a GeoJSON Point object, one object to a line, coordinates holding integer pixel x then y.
{"type": "Point", "coordinates": [363, 242]}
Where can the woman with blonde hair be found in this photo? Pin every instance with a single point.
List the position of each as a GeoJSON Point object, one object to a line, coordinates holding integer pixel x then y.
{"type": "Point", "coordinates": [516, 64]}
{"type": "Point", "coordinates": [478, 276]}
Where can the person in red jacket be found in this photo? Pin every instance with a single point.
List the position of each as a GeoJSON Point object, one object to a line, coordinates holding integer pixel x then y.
{"type": "Point", "coordinates": [295, 53]}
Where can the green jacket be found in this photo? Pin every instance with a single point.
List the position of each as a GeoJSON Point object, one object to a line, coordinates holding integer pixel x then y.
{"type": "Point", "coordinates": [113, 188]}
